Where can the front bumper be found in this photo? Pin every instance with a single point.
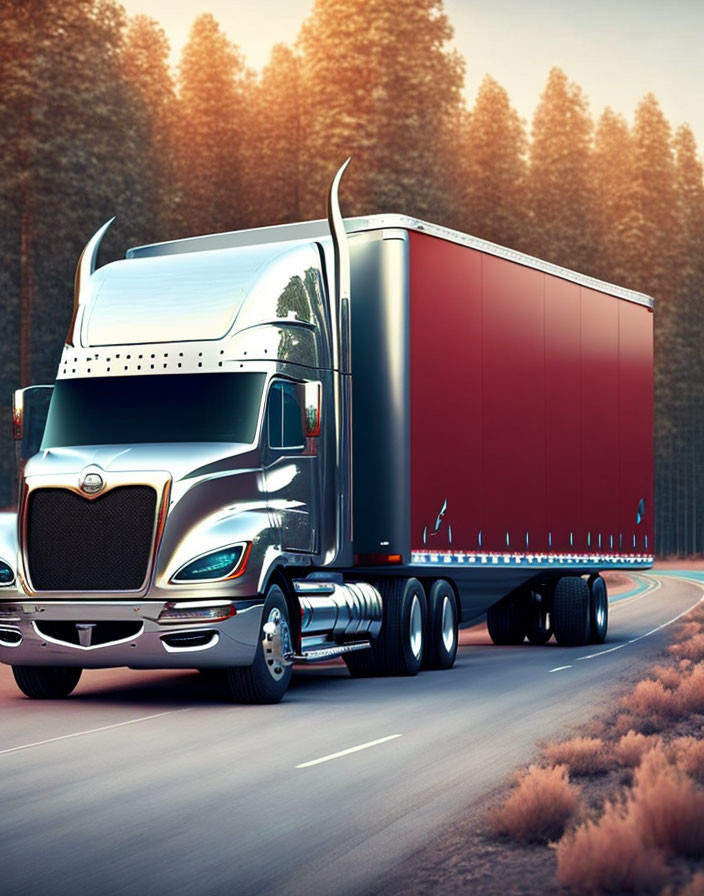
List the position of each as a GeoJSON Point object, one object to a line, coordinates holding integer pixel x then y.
{"type": "Point", "coordinates": [37, 633]}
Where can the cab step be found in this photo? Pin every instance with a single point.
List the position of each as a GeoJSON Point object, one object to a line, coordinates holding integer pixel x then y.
{"type": "Point", "coordinates": [327, 653]}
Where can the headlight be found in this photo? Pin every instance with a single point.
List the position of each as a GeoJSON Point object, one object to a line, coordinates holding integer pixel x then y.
{"type": "Point", "coordinates": [7, 574]}
{"type": "Point", "coordinates": [227, 563]}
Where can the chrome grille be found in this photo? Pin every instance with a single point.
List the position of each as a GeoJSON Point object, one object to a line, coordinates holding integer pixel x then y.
{"type": "Point", "coordinates": [103, 544]}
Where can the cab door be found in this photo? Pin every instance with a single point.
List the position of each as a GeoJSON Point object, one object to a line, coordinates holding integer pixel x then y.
{"type": "Point", "coordinates": [291, 466]}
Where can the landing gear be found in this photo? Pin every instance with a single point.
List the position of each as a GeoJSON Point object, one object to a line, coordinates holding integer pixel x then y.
{"type": "Point", "coordinates": [46, 682]}
{"type": "Point", "coordinates": [267, 679]}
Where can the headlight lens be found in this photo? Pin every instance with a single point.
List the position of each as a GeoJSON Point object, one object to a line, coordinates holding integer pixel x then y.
{"type": "Point", "coordinates": [226, 563]}
{"type": "Point", "coordinates": [7, 575]}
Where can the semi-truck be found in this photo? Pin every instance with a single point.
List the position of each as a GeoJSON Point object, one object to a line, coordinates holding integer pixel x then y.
{"type": "Point", "coordinates": [337, 438]}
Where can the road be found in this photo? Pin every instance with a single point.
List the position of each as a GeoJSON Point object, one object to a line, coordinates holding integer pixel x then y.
{"type": "Point", "coordinates": [145, 783]}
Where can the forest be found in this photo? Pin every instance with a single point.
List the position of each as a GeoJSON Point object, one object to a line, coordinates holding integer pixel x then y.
{"type": "Point", "coordinates": [95, 122]}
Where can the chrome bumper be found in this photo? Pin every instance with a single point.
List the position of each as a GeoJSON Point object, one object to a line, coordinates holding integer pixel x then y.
{"type": "Point", "coordinates": [141, 642]}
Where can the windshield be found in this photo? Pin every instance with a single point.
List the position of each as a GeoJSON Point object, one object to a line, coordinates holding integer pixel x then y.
{"type": "Point", "coordinates": [177, 407]}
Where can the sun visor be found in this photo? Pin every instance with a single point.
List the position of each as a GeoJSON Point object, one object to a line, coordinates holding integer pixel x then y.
{"type": "Point", "coordinates": [191, 297]}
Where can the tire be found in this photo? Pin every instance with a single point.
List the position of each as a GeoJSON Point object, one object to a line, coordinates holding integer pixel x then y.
{"type": "Point", "coordinates": [571, 616]}
{"type": "Point", "coordinates": [506, 622]}
{"type": "Point", "coordinates": [267, 679]}
{"type": "Point", "coordinates": [46, 682]}
{"type": "Point", "coordinates": [538, 625]}
{"type": "Point", "coordinates": [441, 638]}
{"type": "Point", "coordinates": [599, 609]}
{"type": "Point", "coordinates": [400, 646]}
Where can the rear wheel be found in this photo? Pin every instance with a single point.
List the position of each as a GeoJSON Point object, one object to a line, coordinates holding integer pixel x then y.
{"type": "Point", "coordinates": [441, 643]}
{"type": "Point", "coordinates": [401, 643]}
{"type": "Point", "coordinates": [599, 606]}
{"type": "Point", "coordinates": [267, 679]}
{"type": "Point", "coordinates": [46, 682]}
{"type": "Point", "coordinates": [506, 622]}
{"type": "Point", "coordinates": [571, 613]}
{"type": "Point", "coordinates": [539, 625]}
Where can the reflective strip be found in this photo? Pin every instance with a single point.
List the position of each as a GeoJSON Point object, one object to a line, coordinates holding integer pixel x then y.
{"type": "Point", "coordinates": [459, 558]}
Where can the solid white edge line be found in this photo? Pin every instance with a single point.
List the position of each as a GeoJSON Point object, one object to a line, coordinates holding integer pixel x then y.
{"type": "Point", "coordinates": [560, 668]}
{"type": "Point", "coordinates": [372, 743]}
{"type": "Point", "coordinates": [52, 740]}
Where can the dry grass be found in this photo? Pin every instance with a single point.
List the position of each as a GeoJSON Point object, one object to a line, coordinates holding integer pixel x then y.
{"type": "Point", "coordinates": [688, 629]}
{"type": "Point", "coordinates": [688, 754]}
{"type": "Point", "coordinates": [582, 755]}
{"type": "Point", "coordinates": [609, 856]}
{"type": "Point", "coordinates": [692, 648]}
{"type": "Point", "coordinates": [630, 749]}
{"type": "Point", "coordinates": [540, 807]}
{"type": "Point", "coordinates": [666, 808]}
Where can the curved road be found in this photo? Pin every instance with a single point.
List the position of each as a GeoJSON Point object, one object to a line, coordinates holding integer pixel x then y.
{"type": "Point", "coordinates": [145, 783]}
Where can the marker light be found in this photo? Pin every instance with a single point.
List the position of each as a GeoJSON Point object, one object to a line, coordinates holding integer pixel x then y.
{"type": "Point", "coordinates": [7, 576]}
{"type": "Point", "coordinates": [227, 563]}
{"type": "Point", "coordinates": [196, 611]}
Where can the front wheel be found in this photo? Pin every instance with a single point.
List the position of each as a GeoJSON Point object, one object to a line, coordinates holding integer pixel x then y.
{"type": "Point", "coordinates": [267, 679]}
{"type": "Point", "coordinates": [46, 682]}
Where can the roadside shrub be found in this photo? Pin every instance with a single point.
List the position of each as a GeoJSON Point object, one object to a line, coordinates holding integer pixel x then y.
{"type": "Point", "coordinates": [668, 676]}
{"type": "Point", "coordinates": [666, 808]}
{"type": "Point", "coordinates": [649, 698]}
{"type": "Point", "coordinates": [688, 629]}
{"type": "Point", "coordinates": [609, 856]}
{"type": "Point", "coordinates": [688, 754]}
{"type": "Point", "coordinates": [695, 887]}
{"type": "Point", "coordinates": [632, 746]}
{"type": "Point", "coordinates": [582, 755]}
{"type": "Point", "coordinates": [690, 693]}
{"type": "Point", "coordinates": [540, 807]}
{"type": "Point", "coordinates": [691, 649]}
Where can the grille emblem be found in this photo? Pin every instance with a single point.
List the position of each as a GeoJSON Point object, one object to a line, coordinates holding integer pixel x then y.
{"type": "Point", "coordinates": [91, 483]}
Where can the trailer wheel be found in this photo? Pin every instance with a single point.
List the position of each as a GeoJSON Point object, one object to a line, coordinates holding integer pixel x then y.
{"type": "Point", "coordinates": [571, 616]}
{"type": "Point", "coordinates": [267, 679]}
{"type": "Point", "coordinates": [599, 607]}
{"type": "Point", "coordinates": [539, 624]}
{"type": "Point", "coordinates": [46, 682]}
{"type": "Point", "coordinates": [441, 640]}
{"type": "Point", "coordinates": [506, 622]}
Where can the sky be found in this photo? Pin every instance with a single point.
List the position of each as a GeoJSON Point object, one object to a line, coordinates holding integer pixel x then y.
{"type": "Point", "coordinates": [616, 50]}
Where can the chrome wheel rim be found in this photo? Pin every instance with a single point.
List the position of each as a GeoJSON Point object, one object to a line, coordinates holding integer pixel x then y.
{"type": "Point", "coordinates": [276, 644]}
{"type": "Point", "coordinates": [448, 624]}
{"type": "Point", "coordinates": [416, 627]}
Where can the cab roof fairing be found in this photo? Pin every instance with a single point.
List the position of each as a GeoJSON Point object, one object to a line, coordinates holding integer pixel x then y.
{"type": "Point", "coordinates": [202, 311]}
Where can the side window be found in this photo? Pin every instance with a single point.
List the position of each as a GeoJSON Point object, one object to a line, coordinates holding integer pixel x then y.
{"type": "Point", "coordinates": [284, 416]}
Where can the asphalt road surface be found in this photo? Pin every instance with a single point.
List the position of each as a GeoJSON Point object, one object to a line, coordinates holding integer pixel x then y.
{"type": "Point", "coordinates": [145, 783]}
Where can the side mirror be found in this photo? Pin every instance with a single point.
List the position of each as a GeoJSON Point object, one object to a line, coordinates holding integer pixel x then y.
{"type": "Point", "coordinates": [312, 396]}
{"type": "Point", "coordinates": [30, 408]}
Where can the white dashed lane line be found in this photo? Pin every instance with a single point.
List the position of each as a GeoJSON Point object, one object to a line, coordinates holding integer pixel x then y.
{"type": "Point", "coordinates": [372, 743]}
{"type": "Point", "coordinates": [560, 668]}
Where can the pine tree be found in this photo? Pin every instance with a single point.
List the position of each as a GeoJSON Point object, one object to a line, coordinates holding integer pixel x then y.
{"type": "Point", "coordinates": [378, 84]}
{"type": "Point", "coordinates": [145, 67]}
{"type": "Point", "coordinates": [493, 168]}
{"type": "Point", "coordinates": [614, 204]}
{"type": "Point", "coordinates": [688, 326]}
{"type": "Point", "coordinates": [211, 132]}
{"type": "Point", "coordinates": [559, 193]}
{"type": "Point", "coordinates": [272, 181]}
